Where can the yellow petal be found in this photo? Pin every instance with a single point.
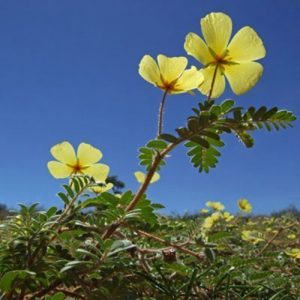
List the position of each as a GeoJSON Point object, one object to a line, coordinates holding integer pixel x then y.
{"type": "Point", "coordinates": [102, 189]}
{"type": "Point", "coordinates": [189, 80]}
{"type": "Point", "coordinates": [140, 177]}
{"type": "Point", "coordinates": [171, 67]}
{"type": "Point", "coordinates": [148, 69]}
{"type": "Point", "coordinates": [219, 84]}
{"type": "Point", "coordinates": [59, 170]}
{"type": "Point", "coordinates": [88, 155]}
{"type": "Point", "coordinates": [98, 171]}
{"type": "Point", "coordinates": [155, 177]}
{"type": "Point", "coordinates": [244, 76]}
{"type": "Point", "coordinates": [196, 47]}
{"type": "Point", "coordinates": [216, 29]}
{"type": "Point", "coordinates": [246, 45]}
{"type": "Point", "coordinates": [64, 152]}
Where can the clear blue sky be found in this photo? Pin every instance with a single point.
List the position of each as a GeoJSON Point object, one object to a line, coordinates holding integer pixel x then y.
{"type": "Point", "coordinates": [68, 71]}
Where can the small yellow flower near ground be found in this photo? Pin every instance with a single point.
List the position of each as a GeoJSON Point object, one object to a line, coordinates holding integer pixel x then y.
{"type": "Point", "coordinates": [294, 253]}
{"type": "Point", "coordinates": [292, 236]}
{"type": "Point", "coordinates": [251, 223]}
{"type": "Point", "coordinates": [216, 216]}
{"type": "Point", "coordinates": [251, 237]}
{"type": "Point", "coordinates": [170, 74]}
{"type": "Point", "coordinates": [227, 216]}
{"type": "Point", "coordinates": [208, 223]}
{"type": "Point", "coordinates": [84, 162]}
{"type": "Point", "coordinates": [103, 187]}
{"type": "Point", "coordinates": [234, 60]}
{"type": "Point", "coordinates": [245, 206]}
{"type": "Point", "coordinates": [204, 211]}
{"type": "Point", "coordinates": [140, 177]}
{"type": "Point", "coordinates": [215, 205]}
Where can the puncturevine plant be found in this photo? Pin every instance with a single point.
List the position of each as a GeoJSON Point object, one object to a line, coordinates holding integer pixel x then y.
{"type": "Point", "coordinates": [105, 245]}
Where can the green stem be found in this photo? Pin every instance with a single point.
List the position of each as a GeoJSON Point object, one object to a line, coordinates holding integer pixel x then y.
{"type": "Point", "coordinates": [161, 112]}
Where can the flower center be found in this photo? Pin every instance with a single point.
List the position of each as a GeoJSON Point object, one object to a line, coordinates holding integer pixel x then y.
{"type": "Point", "coordinates": [220, 59]}
{"type": "Point", "coordinates": [77, 168]}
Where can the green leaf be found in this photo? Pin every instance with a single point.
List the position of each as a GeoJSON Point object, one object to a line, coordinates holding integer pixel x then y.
{"type": "Point", "coordinates": [69, 190]}
{"type": "Point", "coordinates": [120, 245]}
{"type": "Point", "coordinates": [211, 134]}
{"type": "Point", "coordinates": [193, 124]}
{"type": "Point", "coordinates": [210, 254]}
{"type": "Point", "coordinates": [202, 158]}
{"type": "Point", "coordinates": [57, 296]}
{"type": "Point", "coordinates": [219, 236]}
{"type": "Point", "coordinates": [157, 144]}
{"type": "Point", "coordinates": [168, 137]}
{"type": "Point", "coordinates": [226, 105]}
{"type": "Point", "coordinates": [245, 138]}
{"type": "Point", "coordinates": [51, 211]}
{"type": "Point", "coordinates": [63, 197]}
{"type": "Point", "coordinates": [197, 139]}
{"type": "Point", "coordinates": [215, 110]}
{"type": "Point", "coordinates": [8, 278]}
{"type": "Point", "coordinates": [183, 132]}
{"type": "Point", "coordinates": [260, 113]}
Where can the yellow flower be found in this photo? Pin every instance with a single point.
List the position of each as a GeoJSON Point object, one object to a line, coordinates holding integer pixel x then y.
{"type": "Point", "coordinates": [292, 236]}
{"type": "Point", "coordinates": [234, 60]}
{"type": "Point", "coordinates": [208, 223]}
{"type": "Point", "coordinates": [294, 253]}
{"type": "Point", "coordinates": [204, 211]}
{"type": "Point", "coordinates": [85, 162]}
{"type": "Point", "coordinates": [216, 216]}
{"type": "Point", "coordinates": [251, 223]}
{"type": "Point", "coordinates": [140, 177]}
{"type": "Point", "coordinates": [102, 187]}
{"type": "Point", "coordinates": [245, 206]}
{"type": "Point", "coordinates": [170, 74]}
{"type": "Point", "coordinates": [251, 237]}
{"type": "Point", "coordinates": [215, 205]}
{"type": "Point", "coordinates": [227, 216]}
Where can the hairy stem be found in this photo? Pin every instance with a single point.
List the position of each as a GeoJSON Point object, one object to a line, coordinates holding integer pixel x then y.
{"type": "Point", "coordinates": [161, 112]}
{"type": "Point", "coordinates": [268, 244]}
{"type": "Point", "coordinates": [181, 248]}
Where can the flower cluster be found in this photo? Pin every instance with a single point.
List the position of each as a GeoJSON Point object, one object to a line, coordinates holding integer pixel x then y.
{"type": "Point", "coordinates": [220, 57]}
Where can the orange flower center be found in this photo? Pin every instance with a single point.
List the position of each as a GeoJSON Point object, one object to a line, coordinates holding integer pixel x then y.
{"type": "Point", "coordinates": [77, 168]}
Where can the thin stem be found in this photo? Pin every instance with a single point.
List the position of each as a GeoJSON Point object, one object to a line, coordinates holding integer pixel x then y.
{"type": "Point", "coordinates": [213, 82]}
{"type": "Point", "coordinates": [181, 248]}
{"type": "Point", "coordinates": [280, 230]}
{"type": "Point", "coordinates": [161, 112]}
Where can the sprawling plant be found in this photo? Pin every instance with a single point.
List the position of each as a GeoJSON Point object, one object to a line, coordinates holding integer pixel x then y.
{"type": "Point", "coordinates": [104, 245]}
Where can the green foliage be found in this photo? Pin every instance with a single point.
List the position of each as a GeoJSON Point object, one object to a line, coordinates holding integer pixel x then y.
{"type": "Point", "coordinates": [57, 254]}
{"type": "Point", "coordinates": [204, 129]}
{"type": "Point", "coordinates": [149, 152]}
{"type": "Point", "coordinates": [116, 246]}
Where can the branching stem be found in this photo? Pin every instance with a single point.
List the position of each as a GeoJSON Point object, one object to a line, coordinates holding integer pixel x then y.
{"type": "Point", "coordinates": [143, 187]}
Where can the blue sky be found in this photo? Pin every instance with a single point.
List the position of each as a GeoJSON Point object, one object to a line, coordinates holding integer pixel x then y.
{"type": "Point", "coordinates": [68, 71]}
